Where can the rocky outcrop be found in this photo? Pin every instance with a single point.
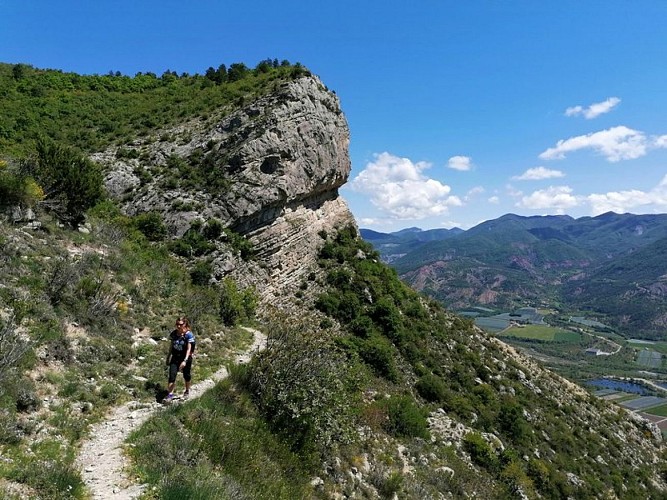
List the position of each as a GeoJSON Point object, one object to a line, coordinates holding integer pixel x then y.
{"type": "Point", "coordinates": [277, 164]}
{"type": "Point", "coordinates": [287, 248]}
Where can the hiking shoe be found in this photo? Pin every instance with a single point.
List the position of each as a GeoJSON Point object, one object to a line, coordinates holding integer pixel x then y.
{"type": "Point", "coordinates": [169, 398]}
{"type": "Point", "coordinates": [186, 394]}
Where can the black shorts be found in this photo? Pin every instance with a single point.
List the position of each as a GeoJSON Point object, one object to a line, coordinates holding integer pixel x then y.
{"type": "Point", "coordinates": [187, 370]}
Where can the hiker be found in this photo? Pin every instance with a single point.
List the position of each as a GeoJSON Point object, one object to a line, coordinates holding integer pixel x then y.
{"type": "Point", "coordinates": [179, 358]}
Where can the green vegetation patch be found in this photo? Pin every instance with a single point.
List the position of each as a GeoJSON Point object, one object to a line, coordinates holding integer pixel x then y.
{"type": "Point", "coordinates": [543, 333]}
{"type": "Point", "coordinates": [93, 111]}
{"type": "Point", "coordinates": [658, 410]}
{"type": "Point", "coordinates": [660, 347]}
{"type": "Point", "coordinates": [625, 397]}
{"type": "Point", "coordinates": [217, 447]}
{"type": "Point", "coordinates": [567, 336]}
{"type": "Point", "coordinates": [649, 358]}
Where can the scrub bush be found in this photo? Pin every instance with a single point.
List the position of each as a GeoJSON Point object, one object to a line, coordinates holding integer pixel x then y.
{"type": "Point", "coordinates": [405, 418]}
{"type": "Point", "coordinates": [432, 388]}
{"type": "Point", "coordinates": [304, 385]}
{"type": "Point", "coordinates": [70, 181]}
{"type": "Point", "coordinates": [236, 305]}
{"type": "Point", "coordinates": [150, 224]}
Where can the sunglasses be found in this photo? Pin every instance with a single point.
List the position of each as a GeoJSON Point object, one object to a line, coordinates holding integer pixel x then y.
{"type": "Point", "coordinates": [180, 324]}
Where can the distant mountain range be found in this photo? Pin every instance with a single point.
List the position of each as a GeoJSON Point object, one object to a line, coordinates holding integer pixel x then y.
{"type": "Point", "coordinates": [613, 266]}
{"type": "Point", "coordinates": [393, 246]}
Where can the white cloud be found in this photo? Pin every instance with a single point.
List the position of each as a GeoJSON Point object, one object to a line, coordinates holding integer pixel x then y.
{"type": "Point", "coordinates": [399, 187]}
{"type": "Point", "coordinates": [512, 191]}
{"type": "Point", "coordinates": [618, 201]}
{"type": "Point", "coordinates": [624, 201]}
{"type": "Point", "coordinates": [560, 199]}
{"type": "Point", "coordinates": [574, 111]}
{"type": "Point", "coordinates": [538, 173]}
{"type": "Point", "coordinates": [369, 221]}
{"type": "Point", "coordinates": [660, 141]}
{"type": "Point", "coordinates": [494, 200]}
{"type": "Point", "coordinates": [462, 163]}
{"type": "Point", "coordinates": [594, 110]}
{"type": "Point", "coordinates": [472, 193]}
{"type": "Point", "coordinates": [616, 143]}
{"type": "Point", "coordinates": [557, 198]}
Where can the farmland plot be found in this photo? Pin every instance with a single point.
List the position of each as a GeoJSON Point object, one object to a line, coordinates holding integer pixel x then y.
{"type": "Point", "coordinates": [649, 358]}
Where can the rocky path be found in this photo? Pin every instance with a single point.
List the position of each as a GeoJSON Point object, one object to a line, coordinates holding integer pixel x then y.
{"type": "Point", "coordinates": [101, 459]}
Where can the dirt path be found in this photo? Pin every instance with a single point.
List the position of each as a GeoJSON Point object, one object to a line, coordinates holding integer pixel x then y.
{"type": "Point", "coordinates": [101, 459]}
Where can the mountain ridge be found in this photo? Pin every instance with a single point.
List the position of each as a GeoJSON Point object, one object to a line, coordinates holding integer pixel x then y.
{"type": "Point", "coordinates": [558, 254]}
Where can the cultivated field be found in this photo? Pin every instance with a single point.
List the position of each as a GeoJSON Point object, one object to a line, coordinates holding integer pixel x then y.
{"type": "Point", "coordinates": [541, 332]}
{"type": "Point", "coordinates": [658, 410]}
{"type": "Point", "coordinates": [649, 358]}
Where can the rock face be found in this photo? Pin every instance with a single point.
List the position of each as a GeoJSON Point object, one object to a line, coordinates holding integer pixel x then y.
{"type": "Point", "coordinates": [279, 162]}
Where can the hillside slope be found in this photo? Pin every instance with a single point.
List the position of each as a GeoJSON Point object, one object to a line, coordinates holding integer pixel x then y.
{"type": "Point", "coordinates": [365, 389]}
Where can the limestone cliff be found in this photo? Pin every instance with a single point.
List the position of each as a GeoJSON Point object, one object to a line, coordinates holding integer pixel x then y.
{"type": "Point", "coordinates": [279, 161]}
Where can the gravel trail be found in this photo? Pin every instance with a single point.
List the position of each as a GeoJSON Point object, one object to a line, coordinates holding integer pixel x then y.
{"type": "Point", "coordinates": [101, 458]}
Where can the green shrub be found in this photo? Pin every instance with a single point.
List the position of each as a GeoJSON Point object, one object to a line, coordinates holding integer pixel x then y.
{"type": "Point", "coordinates": [110, 391]}
{"type": "Point", "coordinates": [96, 350]}
{"type": "Point", "coordinates": [239, 243]}
{"type": "Point", "coordinates": [109, 212]}
{"type": "Point", "coordinates": [236, 305]}
{"type": "Point", "coordinates": [71, 182]}
{"type": "Point", "coordinates": [26, 399]}
{"type": "Point", "coordinates": [200, 274]}
{"type": "Point", "coordinates": [213, 229]}
{"type": "Point", "coordinates": [378, 353]}
{"type": "Point", "coordinates": [390, 485]}
{"type": "Point", "coordinates": [512, 422]}
{"type": "Point", "coordinates": [150, 224]}
{"type": "Point", "coordinates": [144, 175]}
{"type": "Point", "coordinates": [180, 247]}
{"type": "Point", "coordinates": [60, 275]}
{"type": "Point", "coordinates": [388, 317]}
{"type": "Point", "coordinates": [432, 388]}
{"type": "Point", "coordinates": [218, 448]}
{"type": "Point", "coordinates": [304, 386]}
{"type": "Point", "coordinates": [94, 299]}
{"type": "Point", "coordinates": [328, 303]}
{"type": "Point", "coordinates": [10, 431]}
{"type": "Point", "coordinates": [53, 478]}
{"type": "Point", "coordinates": [340, 278]}
{"type": "Point", "coordinates": [192, 244]}
{"type": "Point", "coordinates": [516, 480]}
{"type": "Point", "coordinates": [405, 418]}
{"type": "Point", "coordinates": [362, 327]}
{"type": "Point", "coordinates": [481, 451]}
{"type": "Point", "coordinates": [197, 484]}
{"type": "Point", "coordinates": [348, 307]}
{"type": "Point", "coordinates": [539, 472]}
{"type": "Point", "coordinates": [127, 153]}
{"type": "Point", "coordinates": [17, 189]}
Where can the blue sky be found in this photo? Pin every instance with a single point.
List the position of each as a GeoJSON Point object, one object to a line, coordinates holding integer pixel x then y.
{"type": "Point", "coordinates": [459, 112]}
